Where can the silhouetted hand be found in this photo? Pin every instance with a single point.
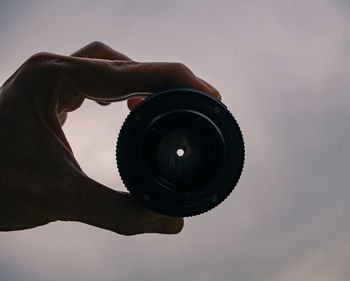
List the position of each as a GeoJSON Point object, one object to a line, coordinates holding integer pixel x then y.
{"type": "Point", "coordinates": [40, 180]}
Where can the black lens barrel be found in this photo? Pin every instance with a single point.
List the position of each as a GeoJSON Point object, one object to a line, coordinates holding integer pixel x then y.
{"type": "Point", "coordinates": [181, 152]}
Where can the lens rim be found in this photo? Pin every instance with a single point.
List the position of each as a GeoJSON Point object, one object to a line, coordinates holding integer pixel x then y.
{"type": "Point", "coordinates": [130, 153]}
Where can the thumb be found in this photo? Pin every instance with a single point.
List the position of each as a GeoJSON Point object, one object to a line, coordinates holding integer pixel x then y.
{"type": "Point", "coordinates": [100, 206]}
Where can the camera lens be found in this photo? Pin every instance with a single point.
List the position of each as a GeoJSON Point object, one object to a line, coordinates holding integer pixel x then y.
{"type": "Point", "coordinates": [181, 152]}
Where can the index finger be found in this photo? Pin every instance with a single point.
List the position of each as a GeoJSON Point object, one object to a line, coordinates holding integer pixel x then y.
{"type": "Point", "coordinates": [115, 80]}
{"type": "Point", "coordinates": [99, 50]}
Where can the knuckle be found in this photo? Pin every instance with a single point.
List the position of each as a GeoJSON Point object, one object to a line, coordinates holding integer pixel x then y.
{"type": "Point", "coordinates": [181, 68]}
{"type": "Point", "coordinates": [39, 63]}
{"type": "Point", "coordinates": [96, 45]}
{"type": "Point", "coordinates": [39, 58]}
{"type": "Point", "coordinates": [179, 75]}
{"type": "Point", "coordinates": [178, 72]}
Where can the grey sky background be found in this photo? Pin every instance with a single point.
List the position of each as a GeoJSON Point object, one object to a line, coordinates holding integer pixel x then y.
{"type": "Point", "coordinates": [282, 68]}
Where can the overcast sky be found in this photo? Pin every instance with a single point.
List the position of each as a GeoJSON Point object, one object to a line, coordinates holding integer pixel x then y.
{"type": "Point", "coordinates": [282, 68]}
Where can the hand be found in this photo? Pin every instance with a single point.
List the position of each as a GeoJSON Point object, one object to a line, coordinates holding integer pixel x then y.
{"type": "Point", "coordinates": [40, 180]}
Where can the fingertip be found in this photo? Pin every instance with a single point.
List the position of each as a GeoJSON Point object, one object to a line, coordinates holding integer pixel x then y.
{"type": "Point", "coordinates": [172, 225]}
{"type": "Point", "coordinates": [212, 91]}
{"type": "Point", "coordinates": [133, 102]}
{"type": "Point", "coordinates": [215, 94]}
{"type": "Point", "coordinates": [178, 226]}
